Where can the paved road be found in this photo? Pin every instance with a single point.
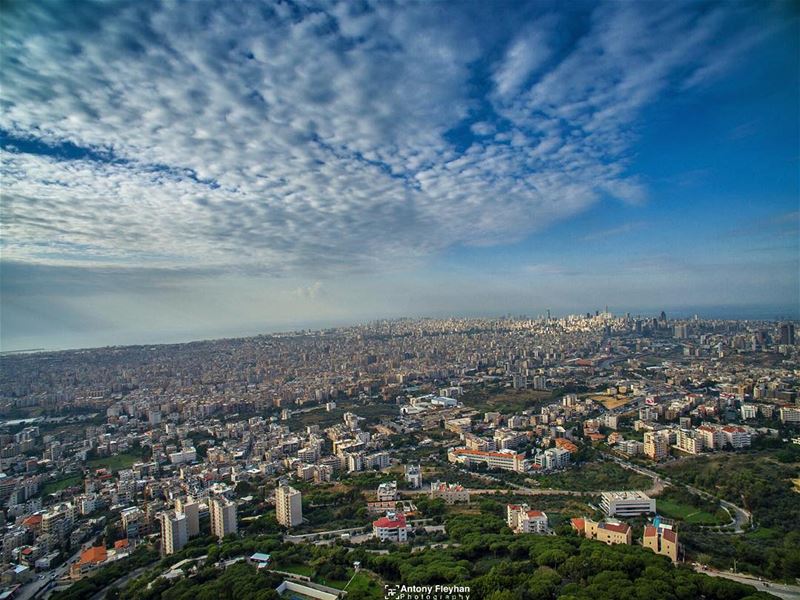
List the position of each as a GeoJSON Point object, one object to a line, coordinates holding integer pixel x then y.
{"type": "Point", "coordinates": [38, 587]}
{"type": "Point", "coordinates": [782, 590]}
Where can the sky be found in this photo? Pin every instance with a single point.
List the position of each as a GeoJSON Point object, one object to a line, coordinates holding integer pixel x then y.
{"type": "Point", "coordinates": [183, 170]}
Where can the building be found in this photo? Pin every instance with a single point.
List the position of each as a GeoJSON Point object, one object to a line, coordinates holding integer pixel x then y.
{"type": "Point", "coordinates": [552, 458]}
{"type": "Point", "coordinates": [749, 411]}
{"type": "Point", "coordinates": [288, 506]}
{"type": "Point", "coordinates": [688, 440]}
{"type": "Point", "coordinates": [656, 444]}
{"type": "Point", "coordinates": [737, 437]}
{"type": "Point", "coordinates": [712, 437]}
{"type": "Point", "coordinates": [608, 532]}
{"type": "Point", "coordinates": [223, 516]}
{"type": "Point", "coordinates": [449, 492]}
{"type": "Point", "coordinates": [392, 527]}
{"type": "Point", "coordinates": [387, 491]}
{"type": "Point", "coordinates": [191, 508]}
{"type": "Point", "coordinates": [521, 519]}
{"type": "Point", "coordinates": [661, 539]}
{"type": "Point", "coordinates": [789, 414]}
{"type": "Point", "coordinates": [507, 460]}
{"type": "Point", "coordinates": [173, 532]}
{"type": "Point", "coordinates": [414, 476]}
{"type": "Point", "coordinates": [89, 560]}
{"type": "Point", "coordinates": [627, 504]}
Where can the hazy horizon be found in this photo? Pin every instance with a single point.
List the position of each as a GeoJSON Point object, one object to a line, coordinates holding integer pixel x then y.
{"type": "Point", "coordinates": [183, 170]}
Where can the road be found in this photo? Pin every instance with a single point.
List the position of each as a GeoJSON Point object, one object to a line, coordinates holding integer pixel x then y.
{"type": "Point", "coordinates": [782, 590]}
{"type": "Point", "coordinates": [38, 586]}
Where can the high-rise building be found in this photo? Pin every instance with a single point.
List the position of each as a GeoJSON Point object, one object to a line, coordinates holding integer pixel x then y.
{"type": "Point", "coordinates": [288, 506]}
{"type": "Point", "coordinates": [656, 445]}
{"type": "Point", "coordinates": [173, 532]}
{"type": "Point", "coordinates": [787, 334]}
{"type": "Point", "coordinates": [223, 516]}
{"type": "Point", "coordinates": [190, 508]}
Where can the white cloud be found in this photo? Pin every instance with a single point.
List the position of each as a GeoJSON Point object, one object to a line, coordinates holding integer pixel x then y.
{"type": "Point", "coordinates": [314, 141]}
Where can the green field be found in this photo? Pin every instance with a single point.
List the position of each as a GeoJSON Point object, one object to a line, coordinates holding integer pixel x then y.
{"type": "Point", "coordinates": [60, 484]}
{"type": "Point", "coordinates": [114, 463]}
{"type": "Point", "coordinates": [298, 569]}
{"type": "Point", "coordinates": [506, 400]}
{"type": "Point", "coordinates": [595, 476]}
{"type": "Point", "coordinates": [686, 512]}
{"type": "Point", "coordinates": [362, 584]}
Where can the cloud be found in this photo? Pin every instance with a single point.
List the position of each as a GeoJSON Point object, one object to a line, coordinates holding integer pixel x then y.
{"type": "Point", "coordinates": [614, 231]}
{"type": "Point", "coordinates": [315, 139]}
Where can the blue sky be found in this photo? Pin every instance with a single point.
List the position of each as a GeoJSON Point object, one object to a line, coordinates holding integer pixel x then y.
{"type": "Point", "coordinates": [175, 170]}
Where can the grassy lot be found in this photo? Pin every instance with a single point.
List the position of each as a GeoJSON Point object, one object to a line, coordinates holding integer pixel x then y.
{"type": "Point", "coordinates": [687, 512]}
{"type": "Point", "coordinates": [595, 476]}
{"type": "Point", "coordinates": [60, 484]}
{"type": "Point", "coordinates": [298, 569]}
{"type": "Point", "coordinates": [114, 463]}
{"type": "Point", "coordinates": [506, 400]}
{"type": "Point", "coordinates": [362, 583]}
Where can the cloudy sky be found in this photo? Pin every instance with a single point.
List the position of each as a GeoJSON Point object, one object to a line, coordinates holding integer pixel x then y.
{"type": "Point", "coordinates": [179, 170]}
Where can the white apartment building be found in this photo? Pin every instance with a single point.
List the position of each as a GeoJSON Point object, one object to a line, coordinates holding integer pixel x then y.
{"type": "Point", "coordinates": [737, 437]}
{"type": "Point", "coordinates": [449, 492]}
{"type": "Point", "coordinates": [392, 527]}
{"type": "Point", "coordinates": [553, 458]}
{"type": "Point", "coordinates": [288, 506]}
{"type": "Point", "coordinates": [627, 504]}
{"type": "Point", "coordinates": [521, 519]}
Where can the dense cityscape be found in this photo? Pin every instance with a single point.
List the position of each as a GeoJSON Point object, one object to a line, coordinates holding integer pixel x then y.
{"type": "Point", "coordinates": [309, 455]}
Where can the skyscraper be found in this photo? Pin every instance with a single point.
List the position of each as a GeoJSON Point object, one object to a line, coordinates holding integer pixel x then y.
{"type": "Point", "coordinates": [288, 506]}
{"type": "Point", "coordinates": [223, 516]}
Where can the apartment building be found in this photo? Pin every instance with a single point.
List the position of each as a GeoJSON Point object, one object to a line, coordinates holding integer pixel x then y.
{"type": "Point", "coordinates": [392, 527]}
{"type": "Point", "coordinates": [521, 519]}
{"type": "Point", "coordinates": [656, 444]}
{"type": "Point", "coordinates": [387, 491]}
{"type": "Point", "coordinates": [223, 516]}
{"type": "Point", "coordinates": [174, 534]}
{"type": "Point", "coordinates": [449, 492]}
{"type": "Point", "coordinates": [288, 506]}
{"type": "Point", "coordinates": [414, 476]}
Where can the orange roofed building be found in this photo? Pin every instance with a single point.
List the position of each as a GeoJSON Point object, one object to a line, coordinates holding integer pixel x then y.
{"type": "Point", "coordinates": [608, 532]}
{"type": "Point", "coordinates": [90, 559]}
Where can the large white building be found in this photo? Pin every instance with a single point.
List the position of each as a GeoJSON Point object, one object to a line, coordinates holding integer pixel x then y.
{"type": "Point", "coordinates": [387, 491]}
{"type": "Point", "coordinates": [173, 532]}
{"type": "Point", "coordinates": [223, 516]}
{"type": "Point", "coordinates": [552, 458]}
{"type": "Point", "coordinates": [392, 527]}
{"type": "Point", "coordinates": [507, 460]}
{"type": "Point", "coordinates": [627, 504]}
{"type": "Point", "coordinates": [288, 506]}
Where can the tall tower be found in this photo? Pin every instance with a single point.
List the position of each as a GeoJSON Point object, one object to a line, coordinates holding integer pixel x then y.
{"type": "Point", "coordinates": [288, 506]}
{"type": "Point", "coordinates": [223, 516]}
{"type": "Point", "coordinates": [190, 508]}
{"type": "Point", "coordinates": [173, 532]}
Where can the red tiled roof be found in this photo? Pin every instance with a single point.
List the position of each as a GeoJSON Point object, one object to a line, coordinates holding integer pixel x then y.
{"type": "Point", "coordinates": [535, 513]}
{"type": "Point", "coordinates": [578, 524]}
{"type": "Point", "coordinates": [121, 544]}
{"type": "Point", "coordinates": [670, 536]}
{"type": "Point", "coordinates": [615, 527]}
{"type": "Point", "coordinates": [95, 554]}
{"type": "Point", "coordinates": [650, 531]}
{"type": "Point", "coordinates": [387, 523]}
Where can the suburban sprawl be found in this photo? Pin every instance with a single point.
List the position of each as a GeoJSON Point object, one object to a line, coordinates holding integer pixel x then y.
{"type": "Point", "coordinates": [588, 456]}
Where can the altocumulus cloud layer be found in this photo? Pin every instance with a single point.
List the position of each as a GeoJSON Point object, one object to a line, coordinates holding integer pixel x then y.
{"type": "Point", "coordinates": [306, 136]}
{"type": "Point", "coordinates": [300, 139]}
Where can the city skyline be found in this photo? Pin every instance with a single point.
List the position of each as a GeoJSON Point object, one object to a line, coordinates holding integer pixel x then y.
{"type": "Point", "coordinates": [177, 172]}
